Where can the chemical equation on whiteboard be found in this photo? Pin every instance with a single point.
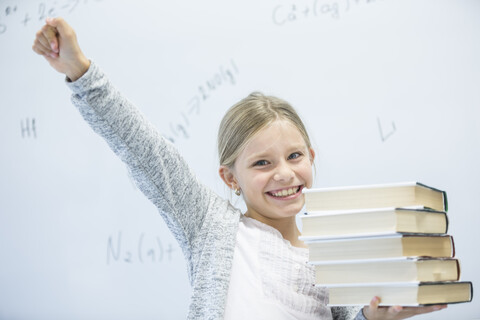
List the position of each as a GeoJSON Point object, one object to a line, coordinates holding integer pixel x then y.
{"type": "Point", "coordinates": [145, 249]}
{"type": "Point", "coordinates": [225, 75]}
{"type": "Point", "coordinates": [384, 135]}
{"type": "Point", "coordinates": [25, 13]}
{"type": "Point", "coordinates": [314, 9]}
{"type": "Point", "coordinates": [28, 128]}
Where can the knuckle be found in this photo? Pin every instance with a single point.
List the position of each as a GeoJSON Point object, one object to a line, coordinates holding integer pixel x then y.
{"type": "Point", "coordinates": [45, 28]}
{"type": "Point", "coordinates": [50, 32]}
{"type": "Point", "coordinates": [38, 51]}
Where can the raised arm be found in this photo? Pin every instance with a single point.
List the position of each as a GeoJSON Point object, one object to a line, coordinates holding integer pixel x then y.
{"type": "Point", "coordinates": [156, 165]}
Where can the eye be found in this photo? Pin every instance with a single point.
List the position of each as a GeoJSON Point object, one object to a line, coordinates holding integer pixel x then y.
{"type": "Point", "coordinates": [294, 155]}
{"type": "Point", "coordinates": [260, 163]}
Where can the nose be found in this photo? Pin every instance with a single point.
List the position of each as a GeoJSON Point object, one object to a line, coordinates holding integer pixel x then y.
{"type": "Point", "coordinates": [283, 173]}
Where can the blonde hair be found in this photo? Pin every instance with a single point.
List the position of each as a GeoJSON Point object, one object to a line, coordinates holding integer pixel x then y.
{"type": "Point", "coordinates": [244, 119]}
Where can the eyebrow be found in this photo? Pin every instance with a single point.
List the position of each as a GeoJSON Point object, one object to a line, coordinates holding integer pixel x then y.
{"type": "Point", "coordinates": [263, 154]}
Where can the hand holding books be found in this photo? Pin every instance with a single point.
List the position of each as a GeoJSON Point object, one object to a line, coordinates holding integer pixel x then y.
{"type": "Point", "coordinates": [374, 312]}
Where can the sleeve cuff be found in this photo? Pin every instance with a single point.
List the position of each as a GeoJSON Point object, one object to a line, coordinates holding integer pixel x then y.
{"type": "Point", "coordinates": [77, 85]}
{"type": "Point", "coordinates": [360, 315]}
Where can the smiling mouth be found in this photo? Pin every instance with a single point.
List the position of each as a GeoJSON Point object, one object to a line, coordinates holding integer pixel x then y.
{"type": "Point", "coordinates": [285, 192]}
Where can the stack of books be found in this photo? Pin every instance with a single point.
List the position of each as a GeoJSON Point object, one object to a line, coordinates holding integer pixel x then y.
{"type": "Point", "coordinates": [388, 241]}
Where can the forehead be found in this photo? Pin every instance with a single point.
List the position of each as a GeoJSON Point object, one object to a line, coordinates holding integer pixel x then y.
{"type": "Point", "coordinates": [280, 135]}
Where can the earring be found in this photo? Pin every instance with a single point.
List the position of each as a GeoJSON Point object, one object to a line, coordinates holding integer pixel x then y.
{"type": "Point", "coordinates": [238, 192]}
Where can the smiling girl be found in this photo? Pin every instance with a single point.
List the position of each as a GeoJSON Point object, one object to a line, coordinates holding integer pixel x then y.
{"type": "Point", "coordinates": [241, 266]}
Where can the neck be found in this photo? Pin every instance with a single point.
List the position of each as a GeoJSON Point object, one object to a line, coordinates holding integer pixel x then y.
{"type": "Point", "coordinates": [286, 226]}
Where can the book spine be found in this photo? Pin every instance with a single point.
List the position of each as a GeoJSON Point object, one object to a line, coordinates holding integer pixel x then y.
{"type": "Point", "coordinates": [447, 283]}
{"type": "Point", "coordinates": [453, 246]}
{"type": "Point", "coordinates": [458, 269]}
{"type": "Point", "coordinates": [444, 193]}
{"type": "Point", "coordinates": [447, 220]}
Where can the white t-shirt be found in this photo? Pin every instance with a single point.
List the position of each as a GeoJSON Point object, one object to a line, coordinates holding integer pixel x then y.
{"type": "Point", "coordinates": [271, 279]}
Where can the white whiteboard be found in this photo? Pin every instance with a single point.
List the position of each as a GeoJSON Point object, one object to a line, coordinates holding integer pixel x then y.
{"type": "Point", "coordinates": [389, 90]}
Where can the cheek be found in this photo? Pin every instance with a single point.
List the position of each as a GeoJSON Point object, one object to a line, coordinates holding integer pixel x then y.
{"type": "Point", "coordinates": [259, 181]}
{"type": "Point", "coordinates": [307, 174]}
{"type": "Point", "coordinates": [254, 183]}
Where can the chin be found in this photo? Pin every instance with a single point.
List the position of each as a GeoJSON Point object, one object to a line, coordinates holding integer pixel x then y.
{"type": "Point", "coordinates": [291, 212]}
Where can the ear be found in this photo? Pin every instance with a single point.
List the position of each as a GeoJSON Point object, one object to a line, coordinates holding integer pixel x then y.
{"type": "Point", "coordinates": [228, 176]}
{"type": "Point", "coordinates": [312, 155]}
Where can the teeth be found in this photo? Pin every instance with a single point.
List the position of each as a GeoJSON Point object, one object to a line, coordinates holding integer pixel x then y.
{"type": "Point", "coordinates": [285, 192]}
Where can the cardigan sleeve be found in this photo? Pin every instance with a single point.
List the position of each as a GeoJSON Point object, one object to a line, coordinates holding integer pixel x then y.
{"type": "Point", "coordinates": [156, 165]}
{"type": "Point", "coordinates": [348, 313]}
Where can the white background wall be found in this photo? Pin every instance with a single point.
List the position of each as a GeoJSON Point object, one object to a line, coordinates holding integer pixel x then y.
{"type": "Point", "coordinates": [389, 90]}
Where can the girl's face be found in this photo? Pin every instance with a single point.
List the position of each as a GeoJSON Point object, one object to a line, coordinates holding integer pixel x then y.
{"type": "Point", "coordinates": [272, 170]}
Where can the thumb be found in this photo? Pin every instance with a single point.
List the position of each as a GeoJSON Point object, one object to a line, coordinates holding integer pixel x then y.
{"type": "Point", "coordinates": [62, 30]}
{"type": "Point", "coordinates": [59, 23]}
{"type": "Point", "coordinates": [52, 32]}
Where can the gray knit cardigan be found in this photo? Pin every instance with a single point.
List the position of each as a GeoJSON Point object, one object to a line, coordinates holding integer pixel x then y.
{"type": "Point", "coordinates": [204, 224]}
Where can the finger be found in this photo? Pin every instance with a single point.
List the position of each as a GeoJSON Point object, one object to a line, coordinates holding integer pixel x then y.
{"type": "Point", "coordinates": [420, 310]}
{"type": "Point", "coordinates": [374, 303]}
{"type": "Point", "coordinates": [41, 47]}
{"type": "Point", "coordinates": [439, 307]}
{"type": "Point", "coordinates": [50, 34]}
{"type": "Point", "coordinates": [42, 40]}
{"type": "Point", "coordinates": [37, 50]}
{"type": "Point", "coordinates": [394, 309]}
{"type": "Point", "coordinates": [60, 25]}
{"type": "Point", "coordinates": [46, 55]}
